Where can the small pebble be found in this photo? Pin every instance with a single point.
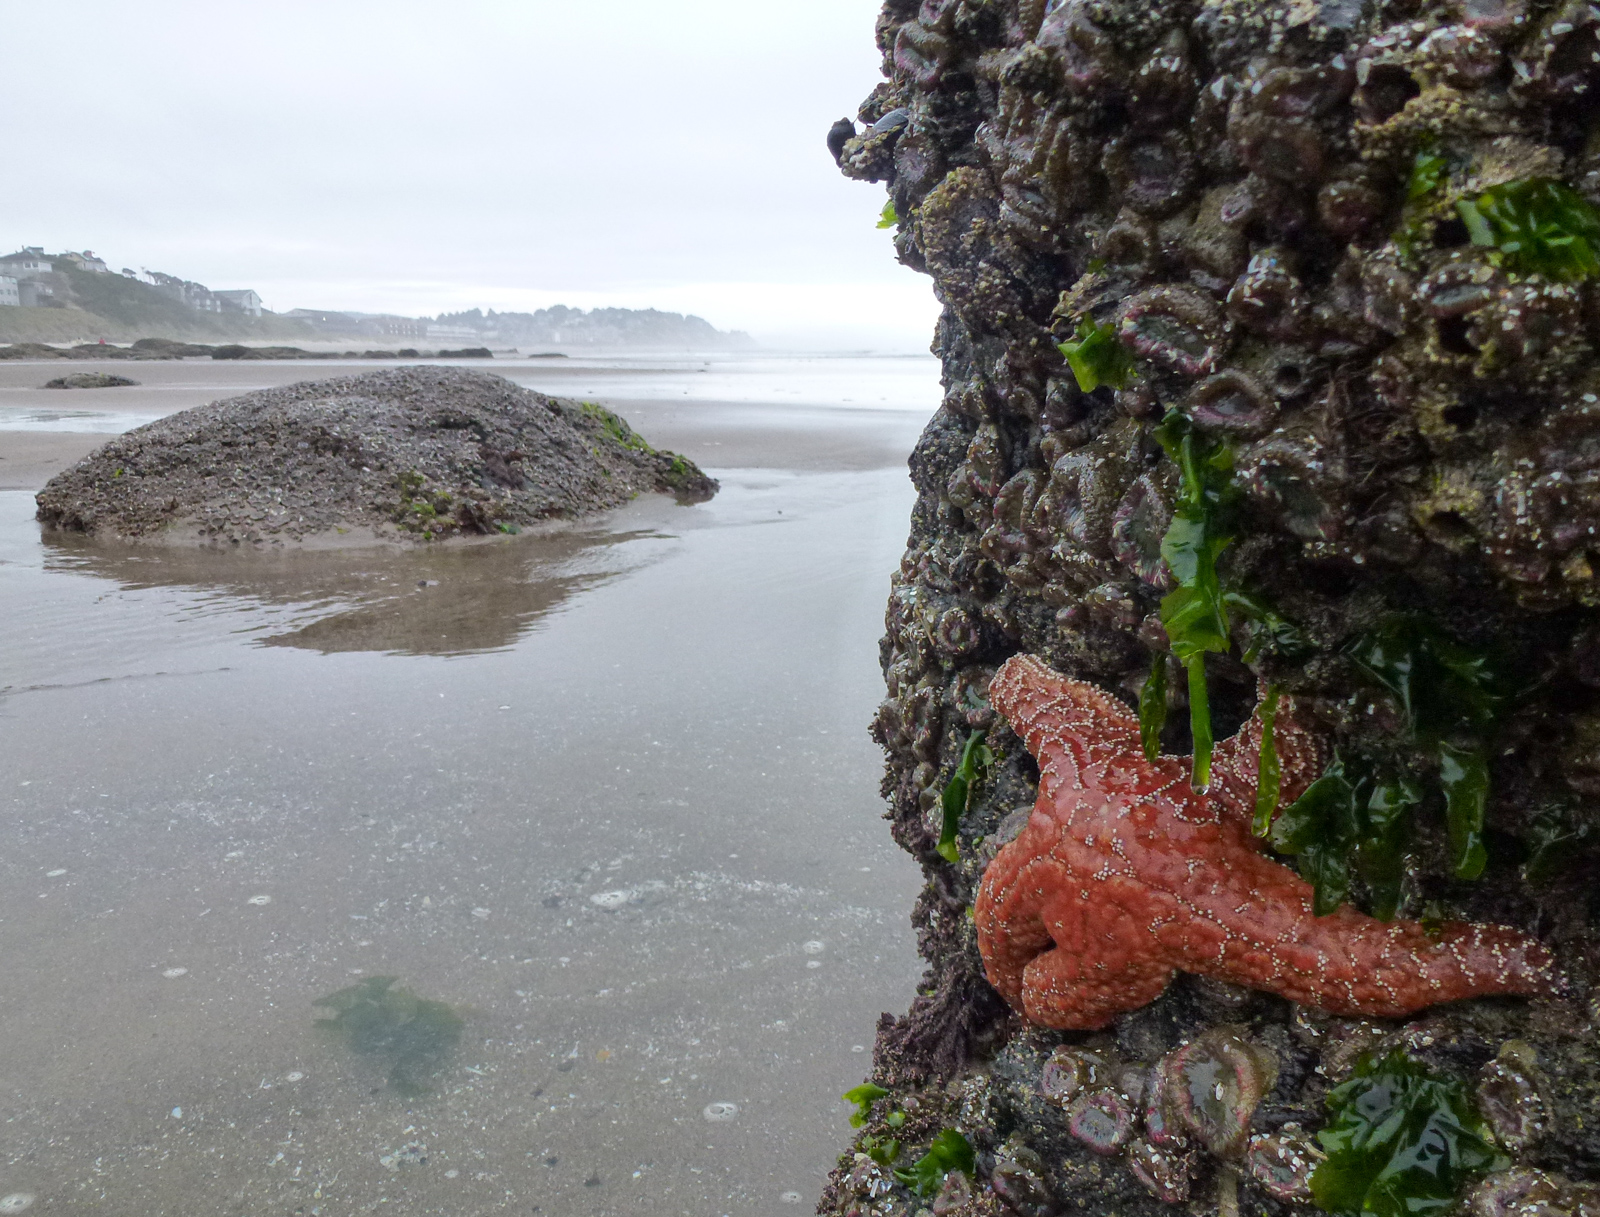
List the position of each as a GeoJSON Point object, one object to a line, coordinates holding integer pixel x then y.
{"type": "Point", "coordinates": [259, 900]}
{"type": "Point", "coordinates": [481, 914]}
{"type": "Point", "coordinates": [16, 1202]}
{"type": "Point", "coordinates": [54, 874]}
{"type": "Point", "coordinates": [451, 1174]}
{"type": "Point", "coordinates": [294, 1076]}
{"type": "Point", "coordinates": [814, 947]}
{"type": "Point", "coordinates": [177, 1113]}
{"type": "Point", "coordinates": [791, 1197]}
{"type": "Point", "coordinates": [813, 963]}
{"type": "Point", "coordinates": [174, 973]}
{"type": "Point", "coordinates": [719, 1113]}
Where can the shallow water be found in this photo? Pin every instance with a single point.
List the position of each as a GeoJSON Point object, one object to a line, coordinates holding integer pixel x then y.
{"type": "Point", "coordinates": [904, 383]}
{"type": "Point", "coordinates": [606, 793]}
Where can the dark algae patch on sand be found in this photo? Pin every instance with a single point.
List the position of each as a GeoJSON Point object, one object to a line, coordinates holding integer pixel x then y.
{"type": "Point", "coordinates": [412, 1034]}
{"type": "Point", "coordinates": [1271, 345]}
{"type": "Point", "coordinates": [419, 452]}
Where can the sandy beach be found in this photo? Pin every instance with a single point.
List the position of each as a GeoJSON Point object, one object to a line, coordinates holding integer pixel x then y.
{"type": "Point", "coordinates": [606, 791]}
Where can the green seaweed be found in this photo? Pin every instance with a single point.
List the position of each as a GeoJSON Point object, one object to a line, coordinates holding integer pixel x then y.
{"type": "Point", "coordinates": [1153, 707]}
{"type": "Point", "coordinates": [1319, 828]}
{"type": "Point", "coordinates": [1269, 772]}
{"type": "Point", "coordinates": [863, 1096]}
{"type": "Point", "coordinates": [976, 758]}
{"type": "Point", "coordinates": [1400, 1141]}
{"type": "Point", "coordinates": [950, 1151]}
{"type": "Point", "coordinates": [1195, 615]}
{"type": "Point", "coordinates": [1451, 698]}
{"type": "Point", "coordinates": [615, 427]}
{"type": "Point", "coordinates": [882, 1150]}
{"type": "Point", "coordinates": [375, 1018]}
{"type": "Point", "coordinates": [1350, 822]}
{"type": "Point", "coordinates": [1536, 227]}
{"type": "Point", "coordinates": [1097, 358]}
{"type": "Point", "coordinates": [1429, 171]}
{"type": "Point", "coordinates": [888, 218]}
{"type": "Point", "coordinates": [1265, 629]}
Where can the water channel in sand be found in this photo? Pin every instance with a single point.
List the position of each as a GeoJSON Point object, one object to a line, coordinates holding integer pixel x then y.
{"type": "Point", "coordinates": [606, 793]}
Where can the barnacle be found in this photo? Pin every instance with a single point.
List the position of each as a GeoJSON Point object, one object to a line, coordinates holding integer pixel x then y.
{"type": "Point", "coordinates": [1282, 1163]}
{"type": "Point", "coordinates": [1101, 1120]}
{"type": "Point", "coordinates": [1214, 1085]}
{"type": "Point", "coordinates": [1176, 328]}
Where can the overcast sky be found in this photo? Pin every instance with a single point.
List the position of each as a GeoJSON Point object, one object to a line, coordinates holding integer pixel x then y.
{"type": "Point", "coordinates": [421, 157]}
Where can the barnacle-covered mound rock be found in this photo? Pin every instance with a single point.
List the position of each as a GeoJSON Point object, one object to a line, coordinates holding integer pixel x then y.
{"type": "Point", "coordinates": [418, 452]}
{"type": "Point", "coordinates": [1270, 346]}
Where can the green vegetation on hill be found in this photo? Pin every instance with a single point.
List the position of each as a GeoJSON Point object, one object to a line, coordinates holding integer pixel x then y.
{"type": "Point", "coordinates": [113, 307]}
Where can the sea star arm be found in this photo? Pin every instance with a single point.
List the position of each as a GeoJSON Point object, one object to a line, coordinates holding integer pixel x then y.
{"type": "Point", "coordinates": [1068, 726]}
{"type": "Point", "coordinates": [1236, 763]}
{"type": "Point", "coordinates": [1249, 920]}
{"type": "Point", "coordinates": [1064, 955]}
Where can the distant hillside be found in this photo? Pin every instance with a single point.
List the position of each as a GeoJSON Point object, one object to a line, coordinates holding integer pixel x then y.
{"type": "Point", "coordinates": [86, 305]}
{"type": "Point", "coordinates": [90, 305]}
{"type": "Point", "coordinates": [563, 326]}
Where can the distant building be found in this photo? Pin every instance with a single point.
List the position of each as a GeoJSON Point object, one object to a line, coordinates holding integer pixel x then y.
{"type": "Point", "coordinates": [458, 332]}
{"type": "Point", "coordinates": [242, 300]}
{"type": "Point", "coordinates": [27, 263]}
{"type": "Point", "coordinates": [387, 325]}
{"type": "Point", "coordinates": [324, 321]}
{"type": "Point", "coordinates": [87, 261]}
{"type": "Point", "coordinates": [195, 295]}
{"type": "Point", "coordinates": [33, 293]}
{"type": "Point", "coordinates": [8, 292]}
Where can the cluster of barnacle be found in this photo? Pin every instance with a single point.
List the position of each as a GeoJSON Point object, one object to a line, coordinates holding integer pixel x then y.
{"type": "Point", "coordinates": [1354, 238]}
{"type": "Point", "coordinates": [1197, 1099]}
{"type": "Point", "coordinates": [1285, 215]}
{"type": "Point", "coordinates": [1217, 1121]}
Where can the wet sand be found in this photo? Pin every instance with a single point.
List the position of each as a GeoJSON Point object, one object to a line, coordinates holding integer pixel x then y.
{"type": "Point", "coordinates": [29, 459]}
{"type": "Point", "coordinates": [606, 792]}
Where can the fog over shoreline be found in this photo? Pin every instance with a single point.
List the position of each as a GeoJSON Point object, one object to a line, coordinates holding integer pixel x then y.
{"type": "Point", "coordinates": [412, 159]}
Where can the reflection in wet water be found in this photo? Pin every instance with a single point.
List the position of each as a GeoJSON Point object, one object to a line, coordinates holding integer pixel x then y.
{"type": "Point", "coordinates": [443, 600]}
{"type": "Point", "coordinates": [412, 1033]}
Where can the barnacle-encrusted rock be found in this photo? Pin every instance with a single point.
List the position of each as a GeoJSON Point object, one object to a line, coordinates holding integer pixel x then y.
{"type": "Point", "coordinates": [409, 453]}
{"type": "Point", "coordinates": [1356, 242]}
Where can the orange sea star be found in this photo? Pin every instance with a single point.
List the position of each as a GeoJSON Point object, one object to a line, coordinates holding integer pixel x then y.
{"type": "Point", "coordinates": [1124, 875]}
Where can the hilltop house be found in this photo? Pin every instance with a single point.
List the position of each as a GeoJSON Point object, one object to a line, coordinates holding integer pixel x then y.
{"type": "Point", "coordinates": [9, 294]}
{"type": "Point", "coordinates": [27, 263]}
{"type": "Point", "coordinates": [242, 300]}
{"type": "Point", "coordinates": [87, 261]}
{"type": "Point", "coordinates": [27, 270]}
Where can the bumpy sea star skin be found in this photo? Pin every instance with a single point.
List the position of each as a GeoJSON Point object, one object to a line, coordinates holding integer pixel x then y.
{"type": "Point", "coordinates": [1125, 875]}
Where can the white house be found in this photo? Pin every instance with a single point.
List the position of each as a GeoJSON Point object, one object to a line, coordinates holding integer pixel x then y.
{"type": "Point", "coordinates": [27, 263]}
{"type": "Point", "coordinates": [241, 300]}
{"type": "Point", "coordinates": [8, 292]}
